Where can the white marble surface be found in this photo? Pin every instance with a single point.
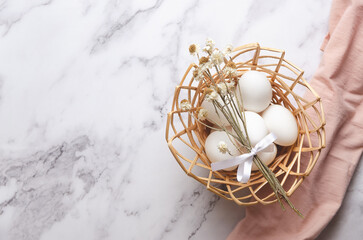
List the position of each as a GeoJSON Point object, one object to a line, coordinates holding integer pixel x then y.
{"type": "Point", "coordinates": [84, 91]}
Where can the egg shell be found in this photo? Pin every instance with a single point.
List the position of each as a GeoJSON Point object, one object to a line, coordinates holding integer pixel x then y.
{"type": "Point", "coordinates": [280, 121]}
{"type": "Point", "coordinates": [266, 156]}
{"type": "Point", "coordinates": [255, 90]}
{"type": "Point", "coordinates": [214, 115]}
{"type": "Point", "coordinates": [256, 127]}
{"type": "Point", "coordinates": [212, 151]}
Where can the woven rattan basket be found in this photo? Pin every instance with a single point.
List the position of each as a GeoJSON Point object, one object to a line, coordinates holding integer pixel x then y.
{"type": "Point", "coordinates": [186, 137]}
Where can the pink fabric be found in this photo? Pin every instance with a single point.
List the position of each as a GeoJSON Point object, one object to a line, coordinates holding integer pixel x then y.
{"type": "Point", "coordinates": [339, 82]}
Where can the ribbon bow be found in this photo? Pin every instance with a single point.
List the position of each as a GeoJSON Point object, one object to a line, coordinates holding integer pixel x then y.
{"type": "Point", "coordinates": [245, 160]}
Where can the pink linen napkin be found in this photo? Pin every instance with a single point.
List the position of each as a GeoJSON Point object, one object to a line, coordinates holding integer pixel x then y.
{"type": "Point", "coordinates": [339, 82]}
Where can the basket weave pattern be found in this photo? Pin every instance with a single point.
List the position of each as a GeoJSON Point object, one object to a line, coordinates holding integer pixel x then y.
{"type": "Point", "coordinates": [186, 136]}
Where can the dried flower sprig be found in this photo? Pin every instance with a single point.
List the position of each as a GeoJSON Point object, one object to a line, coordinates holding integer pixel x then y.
{"type": "Point", "coordinates": [222, 147]}
{"type": "Point", "coordinates": [194, 49]}
{"type": "Point", "coordinates": [185, 105]}
{"type": "Point", "coordinates": [202, 114]}
{"type": "Point", "coordinates": [220, 91]}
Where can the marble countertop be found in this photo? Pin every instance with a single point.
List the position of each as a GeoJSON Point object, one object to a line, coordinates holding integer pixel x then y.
{"type": "Point", "coordinates": [85, 87]}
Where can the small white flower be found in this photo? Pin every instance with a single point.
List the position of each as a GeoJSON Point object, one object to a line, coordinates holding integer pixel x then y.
{"type": "Point", "coordinates": [198, 75]}
{"type": "Point", "coordinates": [209, 42]}
{"type": "Point", "coordinates": [208, 49]}
{"type": "Point", "coordinates": [223, 88]}
{"type": "Point", "coordinates": [228, 49]}
{"type": "Point", "coordinates": [230, 71]}
{"type": "Point", "coordinates": [205, 66]}
{"type": "Point", "coordinates": [217, 57]}
{"type": "Point", "coordinates": [222, 147]}
{"type": "Point", "coordinates": [185, 105]}
{"type": "Point", "coordinates": [209, 46]}
{"type": "Point", "coordinates": [202, 114]}
{"type": "Point", "coordinates": [230, 85]}
{"type": "Point", "coordinates": [213, 95]}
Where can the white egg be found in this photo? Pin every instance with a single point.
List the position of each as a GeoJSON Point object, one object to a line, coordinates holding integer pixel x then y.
{"type": "Point", "coordinates": [266, 156]}
{"type": "Point", "coordinates": [215, 115]}
{"type": "Point", "coordinates": [256, 91]}
{"type": "Point", "coordinates": [280, 121]}
{"type": "Point", "coordinates": [256, 127]}
{"type": "Point", "coordinates": [212, 151]}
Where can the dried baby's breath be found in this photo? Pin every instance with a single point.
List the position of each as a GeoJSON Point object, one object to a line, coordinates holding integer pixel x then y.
{"type": "Point", "coordinates": [222, 88]}
{"type": "Point", "coordinates": [209, 46]}
{"type": "Point", "coordinates": [194, 49]}
{"type": "Point", "coordinates": [212, 95]}
{"type": "Point", "coordinates": [203, 60]}
{"type": "Point", "coordinates": [209, 42]}
{"type": "Point", "coordinates": [217, 57]}
{"type": "Point", "coordinates": [202, 114]}
{"type": "Point", "coordinates": [230, 85]}
{"type": "Point", "coordinates": [222, 147]}
{"type": "Point", "coordinates": [230, 70]}
{"type": "Point", "coordinates": [231, 64]}
{"type": "Point", "coordinates": [228, 49]}
{"type": "Point", "coordinates": [197, 75]}
{"type": "Point", "coordinates": [185, 105]}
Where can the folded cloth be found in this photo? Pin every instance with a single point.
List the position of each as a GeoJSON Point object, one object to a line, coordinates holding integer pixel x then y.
{"type": "Point", "coordinates": [339, 82]}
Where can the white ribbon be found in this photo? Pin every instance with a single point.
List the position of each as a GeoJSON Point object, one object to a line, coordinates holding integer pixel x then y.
{"type": "Point", "coordinates": [245, 160]}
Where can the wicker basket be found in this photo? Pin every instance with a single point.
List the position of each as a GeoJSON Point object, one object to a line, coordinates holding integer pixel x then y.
{"type": "Point", "coordinates": [186, 137]}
